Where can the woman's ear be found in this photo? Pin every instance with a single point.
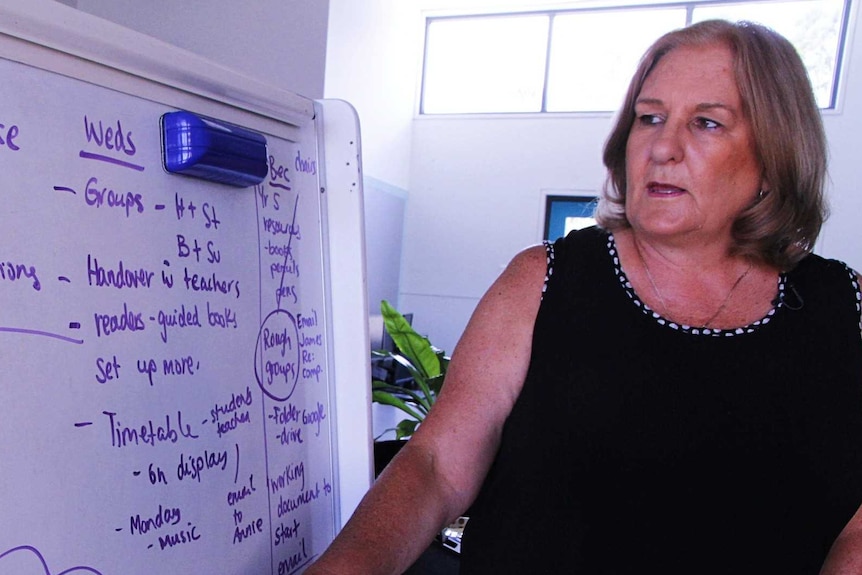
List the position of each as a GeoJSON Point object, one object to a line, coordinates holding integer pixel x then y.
{"type": "Point", "coordinates": [764, 189]}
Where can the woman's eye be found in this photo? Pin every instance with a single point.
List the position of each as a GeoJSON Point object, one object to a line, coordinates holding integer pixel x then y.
{"type": "Point", "coordinates": [649, 119]}
{"type": "Point", "coordinates": [706, 124]}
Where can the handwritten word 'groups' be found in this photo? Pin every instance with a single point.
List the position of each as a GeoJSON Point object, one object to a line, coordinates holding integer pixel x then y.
{"type": "Point", "coordinates": [100, 196]}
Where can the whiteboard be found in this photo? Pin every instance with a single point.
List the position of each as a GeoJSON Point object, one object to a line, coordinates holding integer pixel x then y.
{"type": "Point", "coordinates": [184, 379]}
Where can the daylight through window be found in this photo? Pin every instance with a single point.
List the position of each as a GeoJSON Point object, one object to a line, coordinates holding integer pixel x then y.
{"type": "Point", "coordinates": [580, 60]}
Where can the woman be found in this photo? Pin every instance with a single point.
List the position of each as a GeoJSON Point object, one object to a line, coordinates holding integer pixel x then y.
{"type": "Point", "coordinates": [678, 392]}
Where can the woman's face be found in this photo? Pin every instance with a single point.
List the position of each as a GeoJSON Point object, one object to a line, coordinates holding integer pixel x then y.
{"type": "Point", "coordinates": [691, 165]}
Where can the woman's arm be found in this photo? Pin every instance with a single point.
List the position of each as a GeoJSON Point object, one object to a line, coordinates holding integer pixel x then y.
{"type": "Point", "coordinates": [438, 473]}
{"type": "Point", "coordinates": [845, 557]}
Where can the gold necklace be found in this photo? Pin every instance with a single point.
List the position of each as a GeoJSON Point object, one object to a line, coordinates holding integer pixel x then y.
{"type": "Point", "coordinates": [666, 309]}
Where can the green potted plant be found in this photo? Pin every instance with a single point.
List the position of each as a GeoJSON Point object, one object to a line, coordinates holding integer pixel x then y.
{"type": "Point", "coordinates": [427, 367]}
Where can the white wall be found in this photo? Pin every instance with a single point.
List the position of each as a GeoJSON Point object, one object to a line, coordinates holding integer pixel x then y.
{"type": "Point", "coordinates": [282, 42]}
{"type": "Point", "coordinates": [373, 53]}
{"type": "Point", "coordinates": [842, 236]}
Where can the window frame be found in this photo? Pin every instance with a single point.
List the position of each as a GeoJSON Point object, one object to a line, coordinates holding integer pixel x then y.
{"type": "Point", "coordinates": [557, 204]}
{"type": "Point", "coordinates": [834, 100]}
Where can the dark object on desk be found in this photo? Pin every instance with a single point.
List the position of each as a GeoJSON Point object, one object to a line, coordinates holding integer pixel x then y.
{"type": "Point", "coordinates": [384, 451]}
{"type": "Point", "coordinates": [436, 560]}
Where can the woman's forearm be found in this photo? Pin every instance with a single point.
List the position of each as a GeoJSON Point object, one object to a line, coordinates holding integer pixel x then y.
{"type": "Point", "coordinates": [395, 522]}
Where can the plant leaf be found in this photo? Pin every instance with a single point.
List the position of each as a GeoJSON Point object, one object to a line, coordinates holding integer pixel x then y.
{"type": "Point", "coordinates": [414, 347]}
{"type": "Point", "coordinates": [389, 399]}
{"type": "Point", "coordinates": [435, 384]}
{"type": "Point", "coordinates": [405, 428]}
{"type": "Point", "coordinates": [421, 403]}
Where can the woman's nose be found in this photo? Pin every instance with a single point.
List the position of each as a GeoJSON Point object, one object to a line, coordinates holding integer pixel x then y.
{"type": "Point", "coordinates": [667, 146]}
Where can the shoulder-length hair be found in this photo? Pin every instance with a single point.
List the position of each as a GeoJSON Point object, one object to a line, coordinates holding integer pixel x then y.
{"type": "Point", "coordinates": [779, 228]}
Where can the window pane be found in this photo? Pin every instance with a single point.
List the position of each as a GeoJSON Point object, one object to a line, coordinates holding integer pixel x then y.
{"type": "Point", "coordinates": [566, 213]}
{"type": "Point", "coordinates": [813, 26]}
{"type": "Point", "coordinates": [594, 54]}
{"type": "Point", "coordinates": [487, 64]}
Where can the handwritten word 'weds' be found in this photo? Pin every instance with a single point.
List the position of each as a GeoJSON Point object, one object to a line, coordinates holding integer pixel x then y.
{"type": "Point", "coordinates": [110, 138]}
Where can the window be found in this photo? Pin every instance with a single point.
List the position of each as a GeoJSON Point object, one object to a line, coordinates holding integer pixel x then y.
{"type": "Point", "coordinates": [587, 72]}
{"type": "Point", "coordinates": [473, 64]}
{"type": "Point", "coordinates": [580, 60]}
{"type": "Point", "coordinates": [564, 213]}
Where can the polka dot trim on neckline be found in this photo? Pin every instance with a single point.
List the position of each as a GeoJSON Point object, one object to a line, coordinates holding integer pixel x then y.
{"type": "Point", "coordinates": [700, 331]}
{"type": "Point", "coordinates": [549, 251]}
{"type": "Point", "coordinates": [854, 280]}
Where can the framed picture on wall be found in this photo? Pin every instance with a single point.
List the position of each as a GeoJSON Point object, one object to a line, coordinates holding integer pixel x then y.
{"type": "Point", "coordinates": [564, 211]}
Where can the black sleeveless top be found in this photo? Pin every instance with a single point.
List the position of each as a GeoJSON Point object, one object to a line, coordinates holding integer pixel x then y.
{"type": "Point", "coordinates": [641, 446]}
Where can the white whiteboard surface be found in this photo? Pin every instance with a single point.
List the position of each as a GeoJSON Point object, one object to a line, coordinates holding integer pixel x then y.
{"type": "Point", "coordinates": [185, 373]}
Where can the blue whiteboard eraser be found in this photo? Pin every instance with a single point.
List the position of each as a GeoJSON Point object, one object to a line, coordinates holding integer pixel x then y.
{"type": "Point", "coordinates": [213, 150]}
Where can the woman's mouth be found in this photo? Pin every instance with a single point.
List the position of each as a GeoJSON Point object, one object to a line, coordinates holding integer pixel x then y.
{"type": "Point", "coordinates": [663, 189]}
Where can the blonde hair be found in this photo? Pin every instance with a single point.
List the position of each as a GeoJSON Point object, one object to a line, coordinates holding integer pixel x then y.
{"type": "Point", "coordinates": [780, 228]}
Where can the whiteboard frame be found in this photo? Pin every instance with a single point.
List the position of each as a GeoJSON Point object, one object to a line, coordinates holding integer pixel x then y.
{"type": "Point", "coordinates": [341, 156]}
{"type": "Point", "coordinates": [65, 40]}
